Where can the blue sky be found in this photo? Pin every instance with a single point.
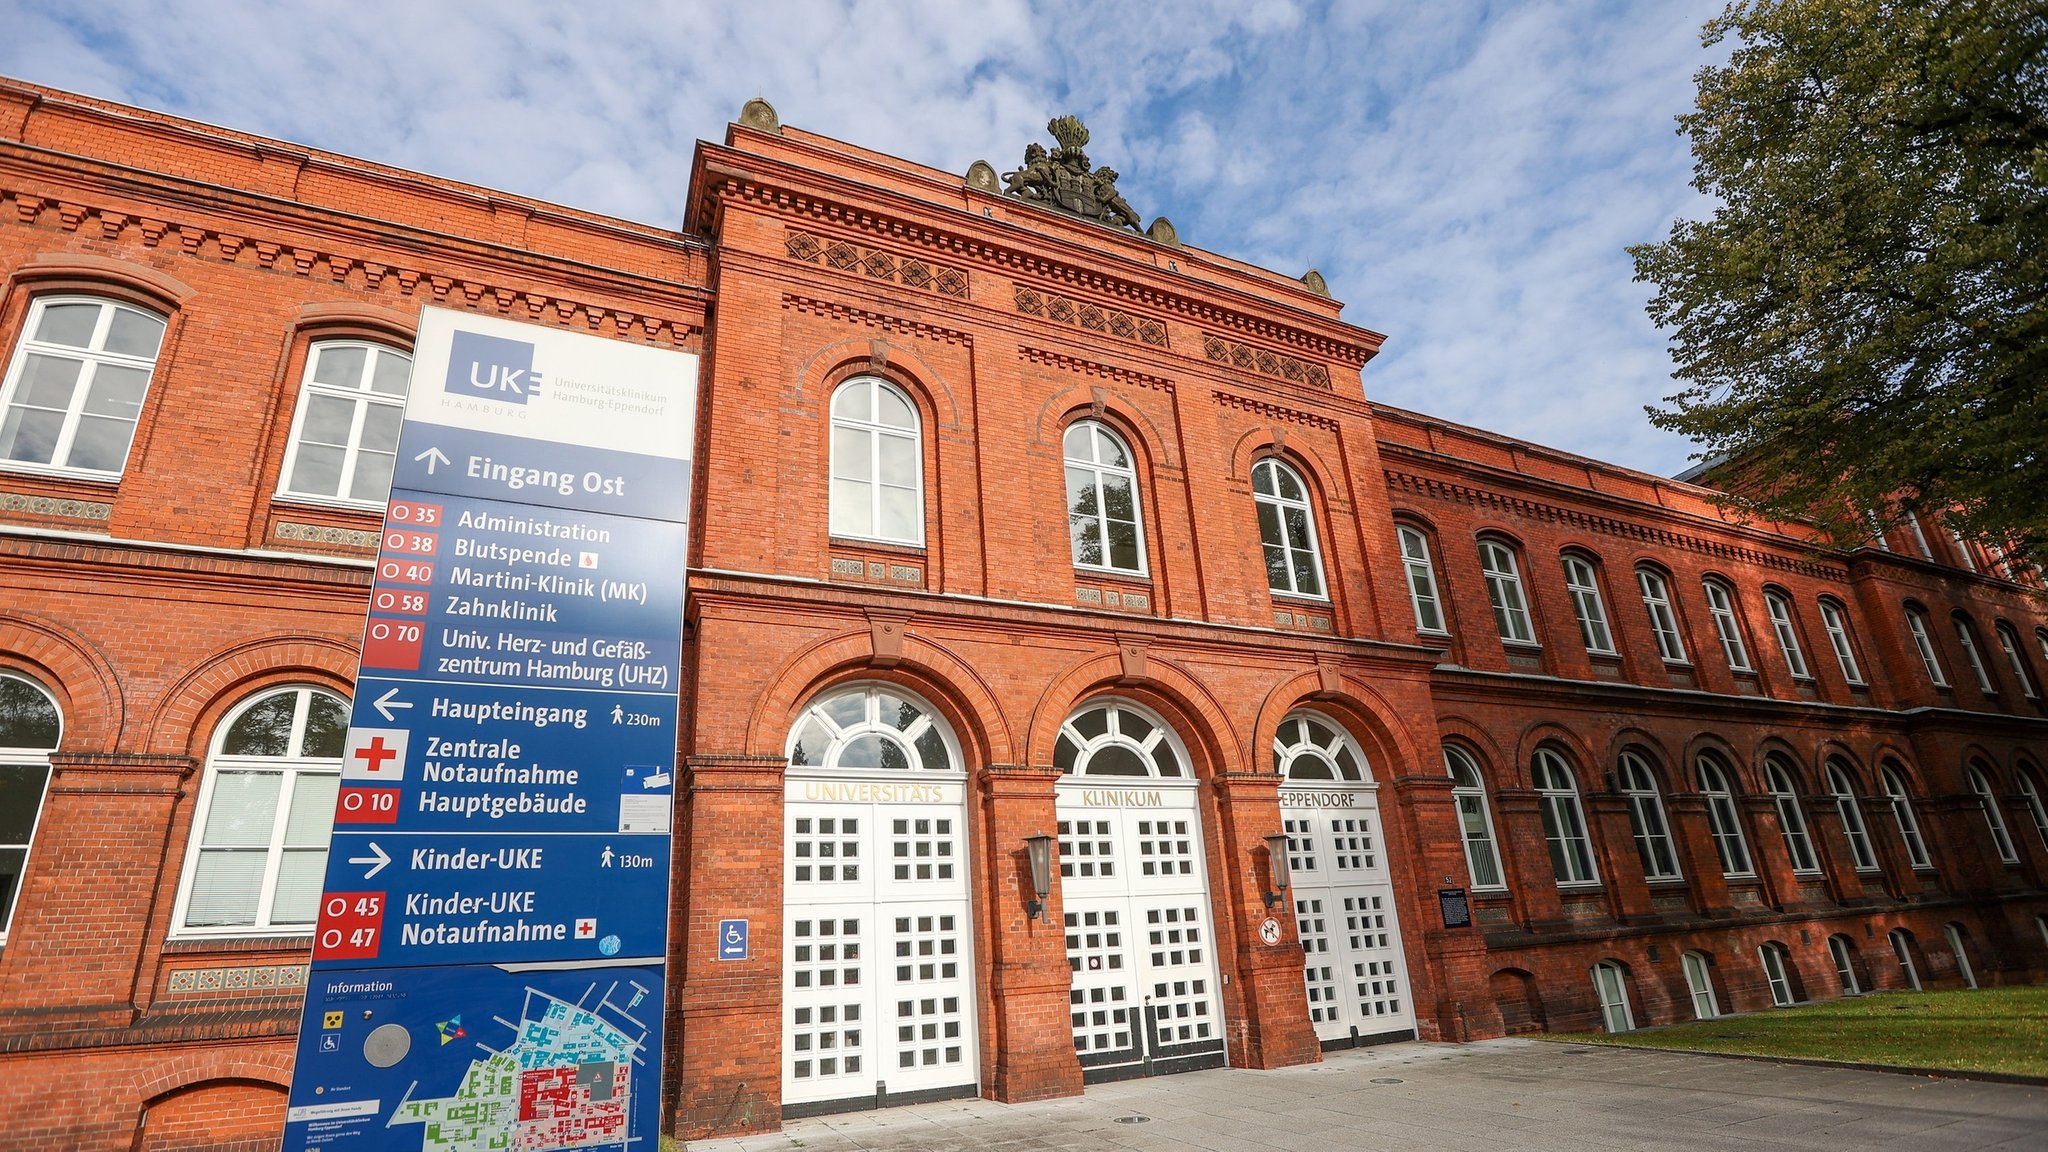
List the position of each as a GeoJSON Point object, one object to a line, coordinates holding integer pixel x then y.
{"type": "Point", "coordinates": [1465, 174]}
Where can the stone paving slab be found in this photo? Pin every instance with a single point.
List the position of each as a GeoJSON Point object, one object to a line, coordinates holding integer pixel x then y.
{"type": "Point", "coordinates": [1496, 1094]}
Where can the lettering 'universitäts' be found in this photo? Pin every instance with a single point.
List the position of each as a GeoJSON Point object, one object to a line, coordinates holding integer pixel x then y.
{"type": "Point", "coordinates": [1080, 677]}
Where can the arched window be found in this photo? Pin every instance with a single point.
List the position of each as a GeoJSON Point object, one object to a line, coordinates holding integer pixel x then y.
{"type": "Point", "coordinates": [1966, 639]}
{"type": "Point", "coordinates": [1102, 500]}
{"type": "Point", "coordinates": [1923, 642]}
{"type": "Point", "coordinates": [1610, 982]}
{"type": "Point", "coordinates": [1842, 786]}
{"type": "Point", "coordinates": [1836, 619]}
{"type": "Point", "coordinates": [1844, 955]}
{"type": "Point", "coordinates": [259, 845]}
{"type": "Point", "coordinates": [345, 432]}
{"type": "Point", "coordinates": [1699, 984]}
{"type": "Point", "coordinates": [75, 388]}
{"type": "Point", "coordinates": [870, 728]}
{"type": "Point", "coordinates": [1980, 783]}
{"type": "Point", "coordinates": [1429, 616]}
{"type": "Point", "coordinates": [1663, 621]}
{"type": "Point", "coordinates": [1287, 529]}
{"type": "Point", "coordinates": [1722, 817]}
{"type": "Point", "coordinates": [1778, 777]}
{"type": "Point", "coordinates": [877, 463]}
{"type": "Point", "coordinates": [1564, 821]}
{"type": "Point", "coordinates": [1468, 791]}
{"type": "Point", "coordinates": [1583, 583]}
{"type": "Point", "coordinates": [1902, 948]}
{"type": "Point", "coordinates": [1778, 974]}
{"type": "Point", "coordinates": [2009, 640]}
{"type": "Point", "coordinates": [1646, 818]}
{"type": "Point", "coordinates": [2031, 792]}
{"type": "Point", "coordinates": [1721, 608]}
{"type": "Point", "coordinates": [1780, 608]}
{"type": "Point", "coordinates": [1308, 747]}
{"type": "Point", "coordinates": [1504, 589]}
{"type": "Point", "coordinates": [30, 729]}
{"type": "Point", "coordinates": [1117, 738]}
{"type": "Point", "coordinates": [1893, 780]}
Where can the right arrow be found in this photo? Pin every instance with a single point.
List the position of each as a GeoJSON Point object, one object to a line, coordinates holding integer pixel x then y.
{"type": "Point", "coordinates": [377, 859]}
{"type": "Point", "coordinates": [432, 456]}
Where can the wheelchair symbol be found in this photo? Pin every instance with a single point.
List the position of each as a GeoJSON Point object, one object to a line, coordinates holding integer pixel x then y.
{"type": "Point", "coordinates": [732, 939]}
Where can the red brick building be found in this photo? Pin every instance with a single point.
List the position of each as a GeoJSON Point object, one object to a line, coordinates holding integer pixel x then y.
{"type": "Point", "coordinates": [1008, 524]}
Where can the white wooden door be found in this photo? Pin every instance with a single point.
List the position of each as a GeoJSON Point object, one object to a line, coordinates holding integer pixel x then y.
{"type": "Point", "coordinates": [878, 970]}
{"type": "Point", "coordinates": [1140, 945]}
{"type": "Point", "coordinates": [1344, 912]}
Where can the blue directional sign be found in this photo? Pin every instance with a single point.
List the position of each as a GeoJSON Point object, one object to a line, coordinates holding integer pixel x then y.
{"type": "Point", "coordinates": [732, 939]}
{"type": "Point", "coordinates": [489, 960]}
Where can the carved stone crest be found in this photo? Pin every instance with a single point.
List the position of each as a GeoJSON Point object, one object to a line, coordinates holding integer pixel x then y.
{"type": "Point", "coordinates": [1062, 179]}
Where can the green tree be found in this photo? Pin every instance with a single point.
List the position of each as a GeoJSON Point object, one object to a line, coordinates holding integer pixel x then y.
{"type": "Point", "coordinates": [1861, 324]}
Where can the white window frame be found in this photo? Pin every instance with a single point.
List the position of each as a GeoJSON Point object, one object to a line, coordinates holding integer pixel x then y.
{"type": "Point", "coordinates": [1779, 607]}
{"type": "Point", "coordinates": [1834, 619]}
{"type": "Point", "coordinates": [1893, 782]}
{"type": "Point", "coordinates": [90, 359]}
{"type": "Point", "coordinates": [1919, 535]}
{"type": "Point", "coordinates": [2035, 807]}
{"type": "Point", "coordinates": [291, 770]}
{"type": "Point", "coordinates": [1966, 638]}
{"type": "Point", "coordinates": [2001, 837]}
{"type": "Point", "coordinates": [28, 759]}
{"type": "Point", "coordinates": [1783, 787]}
{"type": "Point", "coordinates": [1564, 820]}
{"type": "Point", "coordinates": [850, 714]}
{"type": "Point", "coordinates": [875, 431]}
{"type": "Point", "coordinates": [1963, 549]}
{"type": "Point", "coordinates": [1663, 618]}
{"type": "Point", "coordinates": [1475, 819]}
{"type": "Point", "coordinates": [1845, 964]}
{"type": "Point", "coordinates": [1961, 953]}
{"type": "Point", "coordinates": [1583, 583]}
{"type": "Point", "coordinates": [1699, 984]}
{"type": "Point", "coordinates": [1902, 949]}
{"type": "Point", "coordinates": [1848, 805]}
{"type": "Point", "coordinates": [1422, 592]}
{"type": "Point", "coordinates": [1280, 472]}
{"type": "Point", "coordinates": [362, 399]}
{"type": "Point", "coordinates": [1646, 819]}
{"type": "Point", "coordinates": [1774, 960]}
{"type": "Point", "coordinates": [1150, 739]}
{"type": "Point", "coordinates": [1724, 819]}
{"type": "Point", "coordinates": [1504, 591]}
{"type": "Point", "coordinates": [1099, 470]}
{"type": "Point", "coordinates": [1610, 987]}
{"type": "Point", "coordinates": [2010, 641]}
{"type": "Point", "coordinates": [1916, 624]}
{"type": "Point", "coordinates": [1721, 609]}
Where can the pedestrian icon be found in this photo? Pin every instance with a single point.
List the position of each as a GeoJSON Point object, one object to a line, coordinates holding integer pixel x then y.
{"type": "Point", "coordinates": [618, 713]}
{"type": "Point", "coordinates": [606, 856]}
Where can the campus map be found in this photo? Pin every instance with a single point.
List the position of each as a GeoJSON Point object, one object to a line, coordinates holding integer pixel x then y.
{"type": "Point", "coordinates": [565, 1082]}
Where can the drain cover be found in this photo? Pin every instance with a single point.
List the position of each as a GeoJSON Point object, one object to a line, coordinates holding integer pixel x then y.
{"type": "Point", "coordinates": [1132, 1119]}
{"type": "Point", "coordinates": [1387, 1080]}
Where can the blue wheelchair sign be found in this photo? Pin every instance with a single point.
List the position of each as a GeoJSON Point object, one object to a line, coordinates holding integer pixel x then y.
{"type": "Point", "coordinates": [732, 939]}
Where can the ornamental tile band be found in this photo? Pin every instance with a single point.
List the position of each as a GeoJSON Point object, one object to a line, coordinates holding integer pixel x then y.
{"type": "Point", "coordinates": [52, 506]}
{"type": "Point", "coordinates": [326, 534]}
{"type": "Point", "coordinates": [237, 979]}
{"type": "Point", "coordinates": [1278, 365]}
{"type": "Point", "coordinates": [844, 256]}
{"type": "Point", "coordinates": [1110, 321]}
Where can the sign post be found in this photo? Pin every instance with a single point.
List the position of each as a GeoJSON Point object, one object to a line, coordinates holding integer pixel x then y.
{"type": "Point", "coordinates": [489, 960]}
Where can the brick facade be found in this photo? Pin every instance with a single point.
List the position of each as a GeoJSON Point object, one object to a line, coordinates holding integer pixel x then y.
{"type": "Point", "coordinates": [150, 605]}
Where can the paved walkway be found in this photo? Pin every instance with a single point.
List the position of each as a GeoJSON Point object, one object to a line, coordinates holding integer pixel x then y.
{"type": "Point", "coordinates": [1494, 1095]}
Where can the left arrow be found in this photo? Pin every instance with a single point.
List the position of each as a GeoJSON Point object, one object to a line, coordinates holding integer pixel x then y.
{"type": "Point", "coordinates": [432, 456]}
{"type": "Point", "coordinates": [389, 700]}
{"type": "Point", "coordinates": [376, 859]}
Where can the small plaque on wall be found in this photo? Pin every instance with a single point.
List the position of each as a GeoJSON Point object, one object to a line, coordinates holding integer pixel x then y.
{"type": "Point", "coordinates": [1456, 907]}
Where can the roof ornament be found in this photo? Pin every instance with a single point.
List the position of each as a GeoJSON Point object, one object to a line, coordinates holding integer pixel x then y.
{"type": "Point", "coordinates": [1062, 179]}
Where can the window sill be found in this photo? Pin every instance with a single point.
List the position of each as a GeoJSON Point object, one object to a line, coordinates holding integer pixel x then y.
{"type": "Point", "coordinates": [1084, 572]}
{"type": "Point", "coordinates": [898, 546]}
{"type": "Point", "coordinates": [68, 475]}
{"type": "Point", "coordinates": [1304, 599]}
{"type": "Point", "coordinates": [331, 504]}
{"type": "Point", "coordinates": [265, 941]}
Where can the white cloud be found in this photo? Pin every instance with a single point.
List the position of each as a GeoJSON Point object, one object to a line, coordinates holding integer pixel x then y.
{"type": "Point", "coordinates": [1466, 176]}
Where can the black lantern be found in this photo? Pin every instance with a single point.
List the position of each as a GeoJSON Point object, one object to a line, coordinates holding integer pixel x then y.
{"type": "Point", "coordinates": [1039, 848]}
{"type": "Point", "coordinates": [1276, 868]}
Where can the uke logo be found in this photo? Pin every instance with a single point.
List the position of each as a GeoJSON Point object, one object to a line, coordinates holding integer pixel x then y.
{"type": "Point", "coordinates": [491, 368]}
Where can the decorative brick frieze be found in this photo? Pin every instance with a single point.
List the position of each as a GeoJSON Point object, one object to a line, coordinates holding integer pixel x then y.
{"type": "Point", "coordinates": [264, 977]}
{"type": "Point", "coordinates": [875, 263]}
{"type": "Point", "coordinates": [865, 318]}
{"type": "Point", "coordinates": [1091, 317]}
{"type": "Point", "coordinates": [54, 506]}
{"type": "Point", "coordinates": [326, 534]}
{"type": "Point", "coordinates": [1092, 368]}
{"type": "Point", "coordinates": [1265, 362]}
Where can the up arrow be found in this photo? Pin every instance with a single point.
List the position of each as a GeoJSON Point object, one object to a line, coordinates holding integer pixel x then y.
{"type": "Point", "coordinates": [432, 456]}
{"type": "Point", "coordinates": [377, 859]}
{"type": "Point", "coordinates": [389, 700]}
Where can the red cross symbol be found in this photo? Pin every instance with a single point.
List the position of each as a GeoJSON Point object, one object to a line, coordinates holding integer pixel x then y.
{"type": "Point", "coordinates": [374, 754]}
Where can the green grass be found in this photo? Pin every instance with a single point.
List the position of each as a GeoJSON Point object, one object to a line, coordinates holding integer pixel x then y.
{"type": "Point", "coordinates": [1980, 1030]}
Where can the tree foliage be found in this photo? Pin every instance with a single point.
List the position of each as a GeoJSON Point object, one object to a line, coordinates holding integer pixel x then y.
{"type": "Point", "coordinates": [1861, 324]}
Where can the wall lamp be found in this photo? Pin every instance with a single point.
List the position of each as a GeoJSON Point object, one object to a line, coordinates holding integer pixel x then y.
{"type": "Point", "coordinates": [1039, 849]}
{"type": "Point", "coordinates": [1276, 868]}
